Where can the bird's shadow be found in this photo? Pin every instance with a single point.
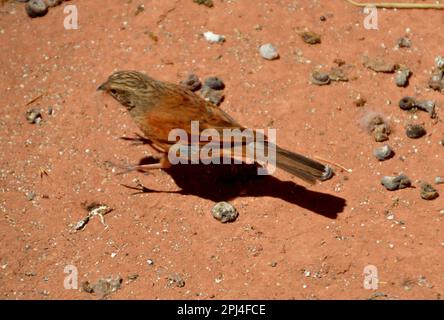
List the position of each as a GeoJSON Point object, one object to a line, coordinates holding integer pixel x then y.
{"type": "Point", "coordinates": [222, 182]}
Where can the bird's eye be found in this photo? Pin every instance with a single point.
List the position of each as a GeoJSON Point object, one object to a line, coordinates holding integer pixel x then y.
{"type": "Point", "coordinates": [113, 91]}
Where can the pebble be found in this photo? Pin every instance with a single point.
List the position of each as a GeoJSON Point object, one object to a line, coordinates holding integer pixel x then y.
{"type": "Point", "coordinates": [213, 38]}
{"type": "Point", "coordinates": [377, 126]}
{"type": "Point", "coordinates": [104, 286]}
{"type": "Point", "coordinates": [140, 8]}
{"type": "Point", "coordinates": [214, 96]}
{"type": "Point", "coordinates": [214, 83]}
{"type": "Point", "coordinates": [319, 78]}
{"type": "Point", "coordinates": [402, 77]}
{"type": "Point", "coordinates": [337, 74]}
{"type": "Point", "coordinates": [439, 180]}
{"type": "Point", "coordinates": [268, 52]}
{"type": "Point", "coordinates": [381, 133]}
{"type": "Point", "coordinates": [404, 42]}
{"type": "Point", "coordinates": [53, 3]}
{"type": "Point", "coordinates": [224, 212]}
{"type": "Point", "coordinates": [311, 37]}
{"type": "Point", "coordinates": [428, 192]}
{"type": "Point", "coordinates": [207, 3]}
{"type": "Point", "coordinates": [36, 8]}
{"type": "Point", "coordinates": [378, 65]}
{"type": "Point", "coordinates": [407, 103]}
{"type": "Point", "coordinates": [415, 131]}
{"type": "Point", "coordinates": [392, 183]}
{"type": "Point", "coordinates": [383, 153]}
{"type": "Point", "coordinates": [192, 82]}
{"type": "Point", "coordinates": [428, 106]}
{"type": "Point", "coordinates": [176, 280]}
{"type": "Point", "coordinates": [359, 101]}
{"type": "Point", "coordinates": [30, 195]}
{"type": "Point", "coordinates": [436, 81]}
{"type": "Point", "coordinates": [33, 116]}
{"type": "Point", "coordinates": [439, 62]}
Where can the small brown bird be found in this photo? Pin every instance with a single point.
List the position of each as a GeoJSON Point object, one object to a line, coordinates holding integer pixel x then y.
{"type": "Point", "coordinates": [158, 107]}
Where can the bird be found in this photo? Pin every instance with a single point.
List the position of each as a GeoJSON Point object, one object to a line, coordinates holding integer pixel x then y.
{"type": "Point", "coordinates": [158, 107]}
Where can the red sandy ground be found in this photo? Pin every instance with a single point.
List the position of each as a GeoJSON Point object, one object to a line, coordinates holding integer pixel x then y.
{"type": "Point", "coordinates": [319, 246]}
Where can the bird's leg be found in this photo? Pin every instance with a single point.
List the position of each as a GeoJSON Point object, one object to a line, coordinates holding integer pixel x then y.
{"type": "Point", "coordinates": [162, 159]}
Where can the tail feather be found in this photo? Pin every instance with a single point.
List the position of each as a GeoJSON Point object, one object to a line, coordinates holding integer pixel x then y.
{"type": "Point", "coordinates": [305, 168]}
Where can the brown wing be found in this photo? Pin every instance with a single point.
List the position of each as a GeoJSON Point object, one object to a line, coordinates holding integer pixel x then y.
{"type": "Point", "coordinates": [177, 108]}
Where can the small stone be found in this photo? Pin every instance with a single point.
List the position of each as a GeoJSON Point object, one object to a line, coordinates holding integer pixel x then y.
{"type": "Point", "coordinates": [428, 106]}
{"type": "Point", "coordinates": [87, 287]}
{"type": "Point", "coordinates": [376, 125]}
{"type": "Point", "coordinates": [415, 131]}
{"type": "Point", "coordinates": [383, 153]}
{"type": "Point", "coordinates": [319, 78]}
{"type": "Point", "coordinates": [192, 82]}
{"type": "Point", "coordinates": [133, 277]}
{"type": "Point", "coordinates": [428, 192]}
{"type": "Point", "coordinates": [323, 18]}
{"type": "Point", "coordinates": [213, 38]}
{"type": "Point", "coordinates": [214, 96]}
{"type": "Point", "coordinates": [207, 3]}
{"type": "Point", "coordinates": [50, 110]}
{"type": "Point", "coordinates": [106, 286]}
{"type": "Point", "coordinates": [311, 37]}
{"type": "Point", "coordinates": [140, 8]}
{"type": "Point", "coordinates": [176, 280]}
{"type": "Point", "coordinates": [402, 77]}
{"type": "Point", "coordinates": [439, 62]}
{"type": "Point", "coordinates": [439, 180]}
{"type": "Point", "coordinates": [150, 262]}
{"type": "Point", "coordinates": [268, 52]}
{"type": "Point", "coordinates": [381, 133]}
{"type": "Point", "coordinates": [34, 116]}
{"type": "Point", "coordinates": [30, 195]}
{"type": "Point", "coordinates": [337, 74]}
{"type": "Point", "coordinates": [359, 101]}
{"type": "Point", "coordinates": [214, 83]}
{"type": "Point", "coordinates": [436, 82]}
{"type": "Point", "coordinates": [224, 212]}
{"type": "Point", "coordinates": [53, 3]}
{"type": "Point", "coordinates": [404, 42]}
{"type": "Point", "coordinates": [392, 183]}
{"type": "Point", "coordinates": [339, 62]}
{"type": "Point", "coordinates": [273, 264]}
{"type": "Point", "coordinates": [36, 8]}
{"type": "Point", "coordinates": [407, 103]}
{"type": "Point", "coordinates": [378, 65]}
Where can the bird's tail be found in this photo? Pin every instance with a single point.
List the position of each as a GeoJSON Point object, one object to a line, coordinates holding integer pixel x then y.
{"type": "Point", "coordinates": [300, 166]}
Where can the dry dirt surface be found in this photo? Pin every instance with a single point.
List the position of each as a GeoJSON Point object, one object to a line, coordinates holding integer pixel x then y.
{"type": "Point", "coordinates": [291, 240]}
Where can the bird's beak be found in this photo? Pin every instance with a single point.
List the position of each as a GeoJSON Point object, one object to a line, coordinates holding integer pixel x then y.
{"type": "Point", "coordinates": [102, 87]}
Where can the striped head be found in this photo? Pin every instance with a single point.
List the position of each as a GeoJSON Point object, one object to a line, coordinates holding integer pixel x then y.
{"type": "Point", "coordinates": [128, 87]}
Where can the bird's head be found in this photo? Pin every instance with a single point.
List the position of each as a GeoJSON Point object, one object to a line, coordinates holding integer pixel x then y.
{"type": "Point", "coordinates": [127, 87]}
